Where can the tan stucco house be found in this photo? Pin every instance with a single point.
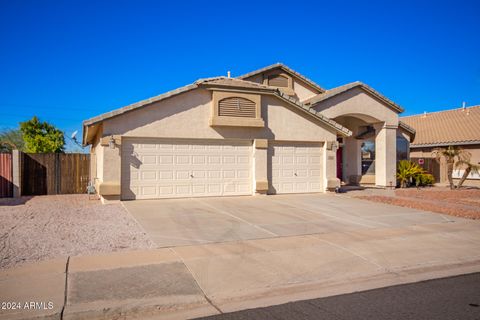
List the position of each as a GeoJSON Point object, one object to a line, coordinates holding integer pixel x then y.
{"type": "Point", "coordinates": [437, 130]}
{"type": "Point", "coordinates": [270, 131]}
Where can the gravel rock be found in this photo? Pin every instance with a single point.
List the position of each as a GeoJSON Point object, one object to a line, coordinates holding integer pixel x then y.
{"type": "Point", "coordinates": [463, 203]}
{"type": "Point", "coordinates": [45, 227]}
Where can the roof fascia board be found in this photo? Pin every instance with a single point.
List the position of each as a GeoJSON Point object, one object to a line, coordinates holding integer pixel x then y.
{"type": "Point", "coordinates": [445, 144]}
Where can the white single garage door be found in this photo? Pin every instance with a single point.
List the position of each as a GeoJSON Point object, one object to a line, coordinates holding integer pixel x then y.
{"type": "Point", "coordinates": [153, 168]}
{"type": "Point", "coordinates": [296, 167]}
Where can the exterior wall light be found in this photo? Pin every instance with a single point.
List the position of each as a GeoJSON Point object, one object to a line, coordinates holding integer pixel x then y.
{"type": "Point", "coordinates": [334, 146]}
{"type": "Point", "coordinates": [111, 142]}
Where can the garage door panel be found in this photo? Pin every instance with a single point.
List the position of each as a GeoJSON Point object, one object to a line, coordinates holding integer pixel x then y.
{"type": "Point", "coordinates": [302, 173]}
{"type": "Point", "coordinates": [166, 175]}
{"type": "Point", "coordinates": [165, 191]}
{"type": "Point", "coordinates": [183, 175]}
{"type": "Point", "coordinates": [160, 169]}
{"type": "Point", "coordinates": [215, 188]}
{"type": "Point", "coordinates": [165, 160]}
{"type": "Point", "coordinates": [199, 189]}
{"type": "Point", "coordinates": [149, 175]}
{"type": "Point", "coordinates": [214, 160]}
{"type": "Point", "coordinates": [315, 172]}
{"type": "Point", "coordinates": [243, 174]}
{"type": "Point", "coordinates": [301, 187]}
{"type": "Point", "coordinates": [296, 167]}
{"type": "Point", "coordinates": [198, 159]}
{"type": "Point", "coordinates": [315, 160]}
{"type": "Point", "coordinates": [287, 173]}
{"type": "Point", "coordinates": [148, 190]}
{"type": "Point", "coordinates": [179, 160]}
{"type": "Point", "coordinates": [199, 174]}
{"type": "Point", "coordinates": [303, 159]}
{"type": "Point", "coordinates": [148, 159]}
{"type": "Point", "coordinates": [316, 186]}
{"type": "Point", "coordinates": [243, 187]}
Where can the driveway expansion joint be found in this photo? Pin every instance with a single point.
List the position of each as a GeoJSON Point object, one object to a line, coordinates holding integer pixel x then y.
{"type": "Point", "coordinates": [66, 288]}
{"type": "Point", "coordinates": [238, 218]}
{"type": "Point", "coordinates": [198, 284]}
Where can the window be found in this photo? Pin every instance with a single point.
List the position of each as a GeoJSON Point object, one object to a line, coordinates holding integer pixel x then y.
{"type": "Point", "coordinates": [278, 80]}
{"type": "Point", "coordinates": [368, 157]}
{"type": "Point", "coordinates": [237, 107]}
{"type": "Point", "coordinates": [402, 148]}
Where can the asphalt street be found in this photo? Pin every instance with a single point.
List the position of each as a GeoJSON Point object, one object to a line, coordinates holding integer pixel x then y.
{"type": "Point", "coordinates": [448, 298]}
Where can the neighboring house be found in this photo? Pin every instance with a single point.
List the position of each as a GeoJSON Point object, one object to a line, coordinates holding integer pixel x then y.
{"type": "Point", "coordinates": [270, 131]}
{"type": "Point", "coordinates": [436, 130]}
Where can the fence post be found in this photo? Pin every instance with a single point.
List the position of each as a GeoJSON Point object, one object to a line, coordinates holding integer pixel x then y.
{"type": "Point", "coordinates": [17, 173]}
{"type": "Point", "coordinates": [57, 173]}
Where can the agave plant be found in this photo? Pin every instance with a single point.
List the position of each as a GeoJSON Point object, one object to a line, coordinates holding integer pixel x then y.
{"type": "Point", "coordinates": [407, 171]}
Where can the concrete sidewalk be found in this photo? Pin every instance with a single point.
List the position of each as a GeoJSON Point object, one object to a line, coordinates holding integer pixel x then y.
{"type": "Point", "coordinates": [200, 280]}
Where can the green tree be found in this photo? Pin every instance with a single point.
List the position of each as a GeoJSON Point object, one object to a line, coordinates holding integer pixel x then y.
{"type": "Point", "coordinates": [41, 137]}
{"type": "Point", "coordinates": [11, 139]}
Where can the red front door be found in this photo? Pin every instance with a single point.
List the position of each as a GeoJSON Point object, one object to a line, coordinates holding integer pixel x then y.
{"type": "Point", "coordinates": [339, 164]}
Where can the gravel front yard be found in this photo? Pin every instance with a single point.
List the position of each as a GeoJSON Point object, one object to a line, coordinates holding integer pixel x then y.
{"type": "Point", "coordinates": [460, 203]}
{"type": "Point", "coordinates": [45, 227]}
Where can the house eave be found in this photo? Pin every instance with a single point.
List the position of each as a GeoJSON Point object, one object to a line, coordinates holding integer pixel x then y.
{"type": "Point", "coordinates": [445, 144]}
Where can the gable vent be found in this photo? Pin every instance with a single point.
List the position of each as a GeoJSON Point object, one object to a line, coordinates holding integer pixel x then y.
{"type": "Point", "coordinates": [278, 81]}
{"type": "Point", "coordinates": [236, 107]}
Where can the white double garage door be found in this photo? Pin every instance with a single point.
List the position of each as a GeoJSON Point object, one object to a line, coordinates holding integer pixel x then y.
{"type": "Point", "coordinates": [160, 168]}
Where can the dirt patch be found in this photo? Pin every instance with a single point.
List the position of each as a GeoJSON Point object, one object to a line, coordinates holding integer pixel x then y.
{"type": "Point", "coordinates": [460, 203]}
{"type": "Point", "coordinates": [45, 227]}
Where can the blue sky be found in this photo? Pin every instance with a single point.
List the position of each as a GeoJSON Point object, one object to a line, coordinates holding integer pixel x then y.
{"type": "Point", "coordinates": [66, 61]}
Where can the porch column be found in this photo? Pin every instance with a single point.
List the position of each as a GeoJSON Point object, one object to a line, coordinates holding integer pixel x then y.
{"type": "Point", "coordinates": [386, 155]}
{"type": "Point", "coordinates": [352, 162]}
{"type": "Point", "coordinates": [260, 159]}
{"type": "Point", "coordinates": [109, 188]}
{"type": "Point", "coordinates": [329, 160]}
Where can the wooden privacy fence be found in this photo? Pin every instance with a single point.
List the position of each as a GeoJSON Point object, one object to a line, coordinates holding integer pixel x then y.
{"type": "Point", "coordinates": [6, 175]}
{"type": "Point", "coordinates": [54, 173]}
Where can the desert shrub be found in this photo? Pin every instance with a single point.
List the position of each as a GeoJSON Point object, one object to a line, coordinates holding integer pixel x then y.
{"type": "Point", "coordinates": [424, 179]}
{"type": "Point", "coordinates": [410, 173]}
{"type": "Point", "coordinates": [407, 172]}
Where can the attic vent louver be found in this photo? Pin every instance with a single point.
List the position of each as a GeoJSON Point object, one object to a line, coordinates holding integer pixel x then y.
{"type": "Point", "coordinates": [236, 107]}
{"type": "Point", "coordinates": [278, 81]}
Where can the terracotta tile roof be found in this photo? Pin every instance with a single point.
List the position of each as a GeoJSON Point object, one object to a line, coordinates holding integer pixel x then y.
{"type": "Point", "coordinates": [357, 84]}
{"type": "Point", "coordinates": [238, 83]}
{"type": "Point", "coordinates": [232, 82]}
{"type": "Point", "coordinates": [222, 82]}
{"type": "Point", "coordinates": [450, 127]}
{"type": "Point", "coordinates": [139, 104]}
{"type": "Point", "coordinates": [406, 127]}
{"type": "Point", "coordinates": [287, 70]}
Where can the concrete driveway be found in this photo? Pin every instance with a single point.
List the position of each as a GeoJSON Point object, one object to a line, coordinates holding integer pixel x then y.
{"type": "Point", "coordinates": [227, 254]}
{"type": "Point", "coordinates": [177, 222]}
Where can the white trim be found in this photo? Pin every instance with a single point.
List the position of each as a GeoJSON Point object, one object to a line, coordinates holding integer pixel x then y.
{"type": "Point", "coordinates": [457, 174]}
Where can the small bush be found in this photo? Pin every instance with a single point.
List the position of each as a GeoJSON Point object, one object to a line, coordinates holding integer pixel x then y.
{"type": "Point", "coordinates": [410, 173]}
{"type": "Point", "coordinates": [425, 179]}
